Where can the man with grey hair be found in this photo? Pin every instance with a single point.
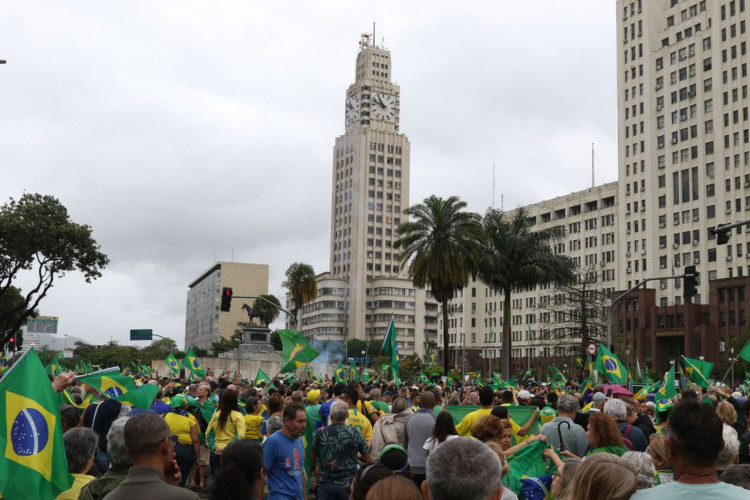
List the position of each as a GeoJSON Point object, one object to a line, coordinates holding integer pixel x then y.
{"type": "Point", "coordinates": [728, 455]}
{"type": "Point", "coordinates": [80, 446]}
{"type": "Point", "coordinates": [738, 475]}
{"type": "Point", "coordinates": [562, 426]}
{"type": "Point", "coordinates": [334, 454]}
{"type": "Point", "coordinates": [618, 410]}
{"type": "Point", "coordinates": [463, 469]}
{"type": "Point", "coordinates": [154, 473]}
{"type": "Point", "coordinates": [120, 463]}
{"type": "Point", "coordinates": [274, 423]}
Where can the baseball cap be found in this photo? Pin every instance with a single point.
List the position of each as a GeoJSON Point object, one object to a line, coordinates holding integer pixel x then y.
{"type": "Point", "coordinates": [599, 397]}
{"type": "Point", "coordinates": [547, 414]}
{"type": "Point", "coordinates": [524, 394]}
{"type": "Point", "coordinates": [313, 395]}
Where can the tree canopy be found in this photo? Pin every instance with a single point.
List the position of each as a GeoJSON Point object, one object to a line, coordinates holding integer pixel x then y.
{"type": "Point", "coordinates": [300, 281]}
{"type": "Point", "coordinates": [37, 237]}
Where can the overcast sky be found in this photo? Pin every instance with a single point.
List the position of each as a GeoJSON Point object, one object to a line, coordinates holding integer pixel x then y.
{"type": "Point", "coordinates": [187, 132]}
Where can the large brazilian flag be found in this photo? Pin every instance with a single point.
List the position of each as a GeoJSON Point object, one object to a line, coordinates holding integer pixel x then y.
{"type": "Point", "coordinates": [193, 363]}
{"type": "Point", "coordinates": [31, 436]}
{"type": "Point", "coordinates": [111, 383]}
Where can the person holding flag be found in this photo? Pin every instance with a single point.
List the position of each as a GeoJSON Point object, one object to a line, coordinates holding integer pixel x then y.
{"type": "Point", "coordinates": [172, 364]}
{"type": "Point", "coordinates": [390, 348]}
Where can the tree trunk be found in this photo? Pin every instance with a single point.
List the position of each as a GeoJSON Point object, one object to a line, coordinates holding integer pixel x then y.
{"type": "Point", "coordinates": [506, 336]}
{"type": "Point", "coordinates": [445, 337]}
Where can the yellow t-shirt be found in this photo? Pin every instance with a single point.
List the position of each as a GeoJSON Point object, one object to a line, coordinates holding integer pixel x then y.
{"type": "Point", "coordinates": [369, 407]}
{"type": "Point", "coordinates": [252, 426]}
{"type": "Point", "coordinates": [518, 439]}
{"type": "Point", "coordinates": [361, 423]}
{"type": "Point", "coordinates": [234, 429]}
{"type": "Point", "coordinates": [464, 427]}
{"type": "Point", "coordinates": [180, 426]}
{"type": "Point", "coordinates": [79, 481]}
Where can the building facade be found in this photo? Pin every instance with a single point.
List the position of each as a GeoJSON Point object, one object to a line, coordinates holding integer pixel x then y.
{"type": "Point", "coordinates": [365, 286]}
{"type": "Point", "coordinates": [204, 322]}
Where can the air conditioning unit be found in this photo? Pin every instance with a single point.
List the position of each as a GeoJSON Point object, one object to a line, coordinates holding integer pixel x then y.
{"type": "Point", "coordinates": [627, 231]}
{"type": "Point", "coordinates": [676, 264]}
{"type": "Point", "coordinates": [659, 107]}
{"type": "Point", "coordinates": [683, 57]}
{"type": "Point", "coordinates": [628, 254]}
{"type": "Point", "coordinates": [683, 118]}
{"type": "Point", "coordinates": [710, 175]}
{"type": "Point", "coordinates": [676, 222]}
{"type": "Point", "coordinates": [662, 266]}
{"type": "Point", "coordinates": [691, 93]}
{"type": "Point", "coordinates": [662, 285]}
{"type": "Point", "coordinates": [728, 211]}
{"type": "Point", "coordinates": [601, 264]}
{"type": "Point", "coordinates": [696, 243]}
{"type": "Point", "coordinates": [677, 284]}
{"type": "Point", "coordinates": [729, 257]}
{"type": "Point", "coordinates": [662, 245]}
{"type": "Point", "coordinates": [696, 261]}
{"type": "Point", "coordinates": [643, 252]}
{"type": "Point", "coordinates": [659, 86]}
{"type": "Point", "coordinates": [662, 224]}
{"type": "Point", "coordinates": [629, 270]}
{"type": "Point", "coordinates": [695, 218]}
{"type": "Point", "coordinates": [747, 184]}
{"type": "Point", "coordinates": [675, 245]}
{"type": "Point", "coordinates": [674, 141]}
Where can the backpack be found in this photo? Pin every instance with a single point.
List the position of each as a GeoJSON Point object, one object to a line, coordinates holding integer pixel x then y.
{"type": "Point", "coordinates": [625, 435]}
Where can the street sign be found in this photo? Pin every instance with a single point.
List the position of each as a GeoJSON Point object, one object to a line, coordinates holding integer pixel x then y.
{"type": "Point", "coordinates": [592, 348]}
{"type": "Point", "coordinates": [141, 334]}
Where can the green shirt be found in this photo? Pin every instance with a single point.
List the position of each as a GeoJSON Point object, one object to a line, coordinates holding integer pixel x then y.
{"type": "Point", "coordinates": [618, 450]}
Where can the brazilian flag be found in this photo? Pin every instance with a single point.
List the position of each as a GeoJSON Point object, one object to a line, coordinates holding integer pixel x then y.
{"type": "Point", "coordinates": [295, 349]}
{"type": "Point", "coordinates": [53, 368]}
{"type": "Point", "coordinates": [607, 363]}
{"type": "Point", "coordinates": [31, 436]}
{"type": "Point", "coordinates": [192, 363]}
{"type": "Point", "coordinates": [339, 376]}
{"type": "Point", "coordinates": [119, 387]}
{"type": "Point", "coordinates": [261, 377]}
{"type": "Point", "coordinates": [4, 360]}
{"type": "Point", "coordinates": [172, 363]}
{"type": "Point", "coordinates": [667, 389]}
{"type": "Point", "coordinates": [423, 378]}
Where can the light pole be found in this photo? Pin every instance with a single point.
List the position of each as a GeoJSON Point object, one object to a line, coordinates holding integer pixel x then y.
{"type": "Point", "coordinates": [364, 357]}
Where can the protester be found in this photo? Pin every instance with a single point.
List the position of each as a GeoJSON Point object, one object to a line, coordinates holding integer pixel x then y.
{"type": "Point", "coordinates": [391, 427]}
{"type": "Point", "coordinates": [80, 448]}
{"type": "Point", "coordinates": [604, 436]}
{"type": "Point", "coordinates": [728, 454]}
{"type": "Point", "coordinates": [241, 476]}
{"type": "Point", "coordinates": [206, 406]}
{"type": "Point", "coordinates": [283, 456]}
{"type": "Point", "coordinates": [334, 454]}
{"type": "Point", "coordinates": [443, 431]}
{"type": "Point", "coordinates": [486, 397]}
{"type": "Point", "coordinates": [657, 448]}
{"type": "Point", "coordinates": [604, 476]}
{"type": "Point", "coordinates": [120, 463]}
{"type": "Point", "coordinates": [154, 473]}
{"type": "Point", "coordinates": [226, 425]}
{"type": "Point", "coordinates": [463, 469]}
{"type": "Point", "coordinates": [633, 437]}
{"type": "Point", "coordinates": [185, 426]}
{"type": "Point", "coordinates": [394, 488]}
{"type": "Point", "coordinates": [694, 440]}
{"type": "Point", "coordinates": [253, 418]}
{"type": "Point", "coordinates": [366, 477]}
{"type": "Point", "coordinates": [507, 493]}
{"type": "Point", "coordinates": [356, 419]}
{"type": "Point", "coordinates": [573, 435]}
{"type": "Point", "coordinates": [396, 458]}
{"type": "Point", "coordinates": [644, 465]}
{"type": "Point", "coordinates": [562, 480]}
{"type": "Point", "coordinates": [738, 475]}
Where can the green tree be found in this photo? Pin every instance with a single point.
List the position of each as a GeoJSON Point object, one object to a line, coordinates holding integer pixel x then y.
{"type": "Point", "coordinates": [269, 309]}
{"type": "Point", "coordinates": [37, 235]}
{"type": "Point", "coordinates": [442, 244]}
{"type": "Point", "coordinates": [515, 257]}
{"type": "Point", "coordinates": [300, 281]}
{"type": "Point", "coordinates": [159, 349]}
{"type": "Point", "coordinates": [11, 311]}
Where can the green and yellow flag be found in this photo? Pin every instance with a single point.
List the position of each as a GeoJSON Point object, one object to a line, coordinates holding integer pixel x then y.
{"type": "Point", "coordinates": [113, 384]}
{"type": "Point", "coordinates": [295, 349]}
{"type": "Point", "coordinates": [31, 436]}
{"type": "Point", "coordinates": [698, 371]}
{"type": "Point", "coordinates": [67, 399]}
{"type": "Point", "coordinates": [608, 364]}
{"type": "Point", "coordinates": [4, 361]}
{"type": "Point", "coordinates": [423, 378]}
{"type": "Point", "coordinates": [390, 348]}
{"type": "Point", "coordinates": [667, 390]}
{"type": "Point", "coordinates": [193, 363]}
{"type": "Point", "coordinates": [262, 377]}
{"type": "Point", "coordinates": [172, 363]}
{"type": "Point", "coordinates": [53, 368]}
{"type": "Point", "coordinates": [339, 375]}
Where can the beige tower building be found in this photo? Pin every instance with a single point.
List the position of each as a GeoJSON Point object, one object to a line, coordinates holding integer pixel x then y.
{"type": "Point", "coordinates": [366, 286]}
{"type": "Point", "coordinates": [684, 140]}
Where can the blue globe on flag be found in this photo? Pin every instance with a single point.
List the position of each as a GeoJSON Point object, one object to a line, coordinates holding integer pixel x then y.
{"type": "Point", "coordinates": [114, 392]}
{"type": "Point", "coordinates": [29, 433]}
{"type": "Point", "coordinates": [610, 365]}
{"type": "Point", "coordinates": [4, 362]}
{"type": "Point", "coordinates": [195, 363]}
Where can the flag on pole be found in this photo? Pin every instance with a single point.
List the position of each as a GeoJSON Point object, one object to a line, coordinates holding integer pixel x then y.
{"type": "Point", "coordinates": [339, 375]}
{"type": "Point", "coordinates": [31, 437]}
{"type": "Point", "coordinates": [558, 375]}
{"type": "Point", "coordinates": [607, 363]}
{"type": "Point", "coordinates": [295, 350]}
{"type": "Point", "coordinates": [698, 371]}
{"type": "Point", "coordinates": [4, 360]}
{"type": "Point", "coordinates": [112, 383]}
{"type": "Point", "coordinates": [667, 390]}
{"type": "Point", "coordinates": [53, 368]}
{"type": "Point", "coordinates": [262, 377]}
{"type": "Point", "coordinates": [644, 391]}
{"type": "Point", "coordinates": [172, 363]}
{"type": "Point", "coordinates": [745, 352]}
{"type": "Point", "coordinates": [390, 348]}
{"type": "Point", "coordinates": [192, 363]}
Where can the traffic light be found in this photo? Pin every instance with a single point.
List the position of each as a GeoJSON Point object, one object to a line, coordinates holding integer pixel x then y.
{"type": "Point", "coordinates": [12, 344]}
{"type": "Point", "coordinates": [690, 282]}
{"type": "Point", "coordinates": [226, 299]}
{"type": "Point", "coordinates": [722, 235]}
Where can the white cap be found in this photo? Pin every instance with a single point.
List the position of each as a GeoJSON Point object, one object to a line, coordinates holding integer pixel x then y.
{"type": "Point", "coordinates": [524, 394]}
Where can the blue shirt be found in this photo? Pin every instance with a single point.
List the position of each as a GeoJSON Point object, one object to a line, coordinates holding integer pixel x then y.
{"type": "Point", "coordinates": [325, 411]}
{"type": "Point", "coordinates": [283, 458]}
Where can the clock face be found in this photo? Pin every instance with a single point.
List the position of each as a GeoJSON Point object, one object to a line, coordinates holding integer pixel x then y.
{"type": "Point", "coordinates": [383, 106]}
{"type": "Point", "coordinates": [352, 109]}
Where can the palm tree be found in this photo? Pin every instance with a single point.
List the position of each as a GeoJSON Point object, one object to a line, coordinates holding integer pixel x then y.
{"type": "Point", "coordinates": [442, 244]}
{"type": "Point", "coordinates": [264, 305]}
{"type": "Point", "coordinates": [300, 281]}
{"type": "Point", "coordinates": [516, 257]}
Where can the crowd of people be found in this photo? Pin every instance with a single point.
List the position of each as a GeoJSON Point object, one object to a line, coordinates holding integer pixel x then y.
{"type": "Point", "coordinates": [310, 439]}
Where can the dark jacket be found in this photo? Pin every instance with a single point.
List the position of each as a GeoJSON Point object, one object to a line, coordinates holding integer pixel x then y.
{"type": "Point", "coordinates": [148, 482]}
{"type": "Point", "coordinates": [645, 425]}
{"type": "Point", "coordinates": [97, 488]}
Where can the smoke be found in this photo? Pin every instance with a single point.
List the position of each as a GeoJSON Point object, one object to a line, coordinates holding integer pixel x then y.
{"type": "Point", "coordinates": [331, 353]}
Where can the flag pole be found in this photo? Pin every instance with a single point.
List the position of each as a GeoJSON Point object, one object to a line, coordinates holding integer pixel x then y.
{"type": "Point", "coordinates": [734, 360]}
{"type": "Point", "coordinates": [102, 371]}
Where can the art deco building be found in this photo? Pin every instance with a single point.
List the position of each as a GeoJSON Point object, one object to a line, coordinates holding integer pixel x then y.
{"type": "Point", "coordinates": [366, 286]}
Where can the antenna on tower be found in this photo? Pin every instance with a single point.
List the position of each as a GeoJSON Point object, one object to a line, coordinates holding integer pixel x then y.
{"type": "Point", "coordinates": [374, 40]}
{"type": "Point", "coordinates": [592, 164]}
{"type": "Point", "coordinates": [493, 176]}
{"type": "Point", "coordinates": [502, 202]}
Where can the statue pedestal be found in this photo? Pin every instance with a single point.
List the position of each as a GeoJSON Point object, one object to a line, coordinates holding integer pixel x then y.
{"type": "Point", "coordinates": [256, 339]}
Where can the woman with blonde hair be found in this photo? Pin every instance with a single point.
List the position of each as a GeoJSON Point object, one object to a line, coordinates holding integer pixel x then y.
{"type": "Point", "coordinates": [657, 448]}
{"type": "Point", "coordinates": [604, 476]}
{"type": "Point", "coordinates": [728, 416]}
{"type": "Point", "coordinates": [395, 487]}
